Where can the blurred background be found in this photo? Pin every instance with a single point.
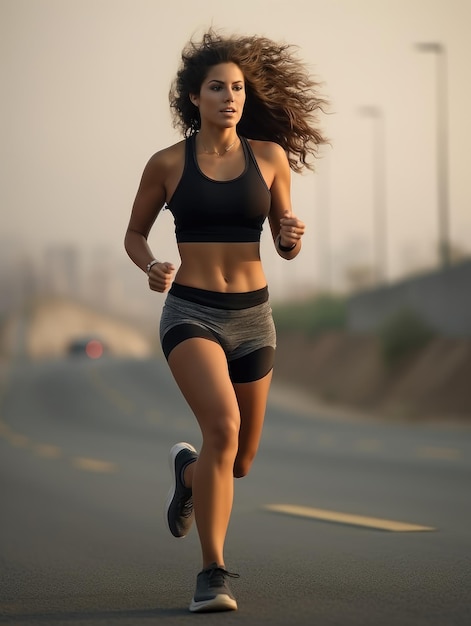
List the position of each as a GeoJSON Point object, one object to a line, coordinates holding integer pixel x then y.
{"type": "Point", "coordinates": [357, 508]}
{"type": "Point", "coordinates": [385, 271]}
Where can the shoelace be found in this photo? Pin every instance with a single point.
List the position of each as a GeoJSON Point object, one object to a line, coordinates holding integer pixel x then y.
{"type": "Point", "coordinates": [217, 576]}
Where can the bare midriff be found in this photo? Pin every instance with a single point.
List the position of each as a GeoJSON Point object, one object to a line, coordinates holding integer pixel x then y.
{"type": "Point", "coordinates": [222, 267]}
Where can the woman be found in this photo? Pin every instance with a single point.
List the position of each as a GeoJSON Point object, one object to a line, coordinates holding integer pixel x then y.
{"type": "Point", "coordinates": [247, 109]}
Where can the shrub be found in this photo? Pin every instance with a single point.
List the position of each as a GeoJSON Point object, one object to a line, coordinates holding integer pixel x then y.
{"type": "Point", "coordinates": [402, 334]}
{"type": "Point", "coordinates": [312, 317]}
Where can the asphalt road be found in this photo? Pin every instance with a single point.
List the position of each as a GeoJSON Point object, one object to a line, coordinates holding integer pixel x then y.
{"type": "Point", "coordinates": [83, 477]}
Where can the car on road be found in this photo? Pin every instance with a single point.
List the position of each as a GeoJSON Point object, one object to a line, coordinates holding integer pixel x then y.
{"type": "Point", "coordinates": [91, 347]}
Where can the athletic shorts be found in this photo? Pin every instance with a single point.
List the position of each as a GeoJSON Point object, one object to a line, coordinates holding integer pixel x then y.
{"type": "Point", "coordinates": [241, 323]}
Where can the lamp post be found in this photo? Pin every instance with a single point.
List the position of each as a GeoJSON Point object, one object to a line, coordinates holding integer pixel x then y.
{"type": "Point", "coordinates": [442, 146]}
{"type": "Point", "coordinates": [324, 222]}
{"type": "Point", "coordinates": [379, 192]}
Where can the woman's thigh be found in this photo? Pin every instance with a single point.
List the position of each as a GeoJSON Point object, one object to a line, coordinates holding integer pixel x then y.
{"type": "Point", "coordinates": [199, 367]}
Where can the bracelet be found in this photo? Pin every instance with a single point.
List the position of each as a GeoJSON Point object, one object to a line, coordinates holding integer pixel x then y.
{"type": "Point", "coordinates": [285, 248]}
{"type": "Point", "coordinates": [150, 265]}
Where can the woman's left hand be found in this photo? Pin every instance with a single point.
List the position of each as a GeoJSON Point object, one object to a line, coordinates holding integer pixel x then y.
{"type": "Point", "coordinates": [291, 229]}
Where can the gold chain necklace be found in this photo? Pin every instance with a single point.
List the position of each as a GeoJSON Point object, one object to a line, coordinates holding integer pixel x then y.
{"type": "Point", "coordinates": [220, 154]}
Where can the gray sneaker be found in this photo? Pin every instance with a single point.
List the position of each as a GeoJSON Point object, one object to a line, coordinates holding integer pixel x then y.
{"type": "Point", "coordinates": [212, 591]}
{"type": "Point", "coordinates": [179, 505]}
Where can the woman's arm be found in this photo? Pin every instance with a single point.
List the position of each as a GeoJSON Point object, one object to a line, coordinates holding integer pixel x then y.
{"type": "Point", "coordinates": [149, 200]}
{"type": "Point", "coordinates": [286, 228]}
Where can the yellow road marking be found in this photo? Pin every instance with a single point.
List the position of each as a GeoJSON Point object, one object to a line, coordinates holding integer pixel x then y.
{"type": "Point", "coordinates": [47, 450]}
{"type": "Point", "coordinates": [346, 518]}
{"type": "Point", "coordinates": [17, 440]}
{"type": "Point", "coordinates": [112, 394]}
{"type": "Point", "coordinates": [94, 465]}
{"type": "Point", "coordinates": [432, 452]}
{"type": "Point", "coordinates": [50, 451]}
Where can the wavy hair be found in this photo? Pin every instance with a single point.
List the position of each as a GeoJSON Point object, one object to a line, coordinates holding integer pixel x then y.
{"type": "Point", "coordinates": [282, 99]}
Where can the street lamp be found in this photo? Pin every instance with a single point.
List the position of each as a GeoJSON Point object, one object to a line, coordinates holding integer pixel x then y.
{"type": "Point", "coordinates": [324, 222]}
{"type": "Point", "coordinates": [442, 146]}
{"type": "Point", "coordinates": [379, 191]}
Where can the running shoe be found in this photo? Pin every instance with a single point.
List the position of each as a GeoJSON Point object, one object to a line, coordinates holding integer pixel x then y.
{"type": "Point", "coordinates": [179, 506]}
{"type": "Point", "coordinates": [212, 591]}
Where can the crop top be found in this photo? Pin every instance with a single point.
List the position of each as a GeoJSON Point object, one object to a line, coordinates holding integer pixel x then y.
{"type": "Point", "coordinates": [207, 210]}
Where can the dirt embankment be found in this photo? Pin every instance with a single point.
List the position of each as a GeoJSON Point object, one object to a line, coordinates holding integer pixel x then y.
{"type": "Point", "coordinates": [349, 370]}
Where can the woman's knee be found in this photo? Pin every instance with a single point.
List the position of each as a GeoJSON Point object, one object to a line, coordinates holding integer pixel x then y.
{"type": "Point", "coordinates": [222, 434]}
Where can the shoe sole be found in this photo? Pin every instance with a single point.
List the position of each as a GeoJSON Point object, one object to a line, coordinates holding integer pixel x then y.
{"type": "Point", "coordinates": [178, 447]}
{"type": "Point", "coordinates": [221, 602]}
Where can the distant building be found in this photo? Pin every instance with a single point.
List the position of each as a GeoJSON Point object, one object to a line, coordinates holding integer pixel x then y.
{"type": "Point", "coordinates": [61, 274]}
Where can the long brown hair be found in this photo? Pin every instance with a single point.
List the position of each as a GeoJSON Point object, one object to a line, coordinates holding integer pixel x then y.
{"type": "Point", "coordinates": [282, 98]}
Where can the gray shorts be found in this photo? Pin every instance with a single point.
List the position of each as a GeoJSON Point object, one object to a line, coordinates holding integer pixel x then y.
{"type": "Point", "coordinates": [241, 323]}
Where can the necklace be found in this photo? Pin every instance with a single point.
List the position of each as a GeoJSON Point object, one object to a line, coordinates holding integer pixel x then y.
{"type": "Point", "coordinates": [220, 154]}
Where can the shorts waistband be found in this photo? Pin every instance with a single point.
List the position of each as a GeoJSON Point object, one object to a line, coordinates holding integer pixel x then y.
{"type": "Point", "coordinates": [220, 300]}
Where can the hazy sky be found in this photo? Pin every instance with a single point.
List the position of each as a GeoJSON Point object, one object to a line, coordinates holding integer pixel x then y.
{"type": "Point", "coordinates": [84, 105]}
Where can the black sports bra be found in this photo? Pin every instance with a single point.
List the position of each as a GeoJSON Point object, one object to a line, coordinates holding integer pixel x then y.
{"type": "Point", "coordinates": [207, 210]}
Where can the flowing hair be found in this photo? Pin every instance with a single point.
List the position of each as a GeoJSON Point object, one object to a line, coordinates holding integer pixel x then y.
{"type": "Point", "coordinates": [282, 99]}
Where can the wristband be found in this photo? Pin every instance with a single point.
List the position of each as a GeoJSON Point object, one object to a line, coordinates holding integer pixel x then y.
{"type": "Point", "coordinates": [285, 248]}
{"type": "Point", "coordinates": [150, 265]}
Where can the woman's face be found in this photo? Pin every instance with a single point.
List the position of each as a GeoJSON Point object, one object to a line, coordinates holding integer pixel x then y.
{"type": "Point", "coordinates": [222, 96]}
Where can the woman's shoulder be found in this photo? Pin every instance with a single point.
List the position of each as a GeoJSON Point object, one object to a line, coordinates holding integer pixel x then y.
{"type": "Point", "coordinates": [168, 157]}
{"type": "Point", "coordinates": [268, 151]}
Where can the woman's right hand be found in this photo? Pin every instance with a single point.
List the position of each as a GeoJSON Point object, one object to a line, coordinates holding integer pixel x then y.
{"type": "Point", "coordinates": [161, 276]}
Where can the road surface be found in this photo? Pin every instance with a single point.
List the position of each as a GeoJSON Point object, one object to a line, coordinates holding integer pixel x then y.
{"type": "Point", "coordinates": [341, 521]}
